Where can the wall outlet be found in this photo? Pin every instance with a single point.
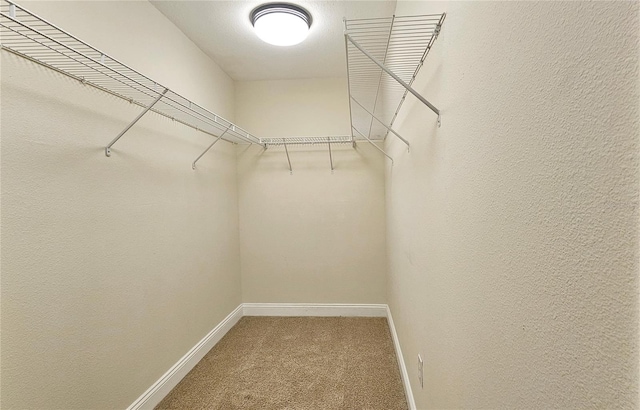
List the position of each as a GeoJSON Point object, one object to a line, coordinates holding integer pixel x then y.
{"type": "Point", "coordinates": [421, 371]}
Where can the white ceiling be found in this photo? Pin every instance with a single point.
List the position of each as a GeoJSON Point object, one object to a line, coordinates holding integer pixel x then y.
{"type": "Point", "coordinates": [223, 31]}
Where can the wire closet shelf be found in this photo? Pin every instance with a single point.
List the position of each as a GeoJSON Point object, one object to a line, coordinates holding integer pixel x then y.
{"type": "Point", "coordinates": [347, 139]}
{"type": "Point", "coordinates": [29, 36]}
{"type": "Point", "coordinates": [384, 56]}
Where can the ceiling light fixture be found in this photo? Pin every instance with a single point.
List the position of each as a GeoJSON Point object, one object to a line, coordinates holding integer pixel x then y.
{"type": "Point", "coordinates": [281, 24]}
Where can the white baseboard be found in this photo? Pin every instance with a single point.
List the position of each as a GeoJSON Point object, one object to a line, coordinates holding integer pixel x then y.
{"type": "Point", "coordinates": [314, 309]}
{"type": "Point", "coordinates": [172, 377]}
{"type": "Point", "coordinates": [154, 394]}
{"type": "Point", "coordinates": [403, 369]}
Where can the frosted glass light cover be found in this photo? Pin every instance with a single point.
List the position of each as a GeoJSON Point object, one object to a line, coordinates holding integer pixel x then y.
{"type": "Point", "coordinates": [281, 29]}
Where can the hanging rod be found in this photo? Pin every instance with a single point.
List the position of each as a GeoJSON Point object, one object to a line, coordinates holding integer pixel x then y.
{"type": "Point", "coordinates": [27, 35]}
{"type": "Point", "coordinates": [384, 56]}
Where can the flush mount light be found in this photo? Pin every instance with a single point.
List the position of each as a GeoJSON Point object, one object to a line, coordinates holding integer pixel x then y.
{"type": "Point", "coordinates": [281, 24]}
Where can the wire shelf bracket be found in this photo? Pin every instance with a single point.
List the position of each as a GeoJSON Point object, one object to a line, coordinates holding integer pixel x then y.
{"type": "Point", "coordinates": [193, 165]}
{"type": "Point", "coordinates": [107, 149]}
{"type": "Point", "coordinates": [374, 144]}
{"type": "Point", "coordinates": [384, 56]}
{"type": "Point", "coordinates": [29, 36]}
{"type": "Point", "coordinates": [330, 155]}
{"type": "Point", "coordinates": [383, 124]}
{"type": "Point", "coordinates": [288, 159]}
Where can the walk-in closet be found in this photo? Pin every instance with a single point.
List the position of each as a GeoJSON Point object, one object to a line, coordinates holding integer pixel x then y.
{"type": "Point", "coordinates": [319, 204]}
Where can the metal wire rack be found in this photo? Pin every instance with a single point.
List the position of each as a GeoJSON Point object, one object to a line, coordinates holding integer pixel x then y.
{"type": "Point", "coordinates": [284, 142]}
{"type": "Point", "coordinates": [384, 56]}
{"type": "Point", "coordinates": [29, 36]}
{"type": "Point", "coordinates": [348, 139]}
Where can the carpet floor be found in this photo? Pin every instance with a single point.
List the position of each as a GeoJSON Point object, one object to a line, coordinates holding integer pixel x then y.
{"type": "Point", "coordinates": [296, 363]}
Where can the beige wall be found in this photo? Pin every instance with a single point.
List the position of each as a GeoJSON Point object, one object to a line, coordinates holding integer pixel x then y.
{"type": "Point", "coordinates": [312, 236]}
{"type": "Point", "coordinates": [294, 108]}
{"type": "Point", "coordinates": [112, 268]}
{"type": "Point", "coordinates": [512, 229]}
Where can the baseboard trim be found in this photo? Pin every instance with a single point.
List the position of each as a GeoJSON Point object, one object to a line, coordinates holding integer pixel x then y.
{"type": "Point", "coordinates": [154, 394]}
{"type": "Point", "coordinates": [403, 369]}
{"type": "Point", "coordinates": [315, 309]}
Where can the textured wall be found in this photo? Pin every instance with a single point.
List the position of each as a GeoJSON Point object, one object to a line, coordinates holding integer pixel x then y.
{"type": "Point", "coordinates": [112, 268]}
{"type": "Point", "coordinates": [294, 108]}
{"type": "Point", "coordinates": [312, 236]}
{"type": "Point", "coordinates": [512, 229]}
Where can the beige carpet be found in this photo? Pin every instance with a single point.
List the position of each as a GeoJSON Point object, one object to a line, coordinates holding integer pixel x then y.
{"type": "Point", "coordinates": [296, 363]}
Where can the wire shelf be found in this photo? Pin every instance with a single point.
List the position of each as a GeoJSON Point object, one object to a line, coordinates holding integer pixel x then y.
{"type": "Point", "coordinates": [401, 44]}
{"type": "Point", "coordinates": [288, 141]}
{"type": "Point", "coordinates": [29, 36]}
{"type": "Point", "coordinates": [348, 139]}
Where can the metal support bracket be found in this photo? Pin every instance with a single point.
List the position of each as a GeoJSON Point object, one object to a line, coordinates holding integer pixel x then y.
{"type": "Point", "coordinates": [288, 159]}
{"type": "Point", "coordinates": [395, 77]}
{"type": "Point", "coordinates": [330, 156]}
{"type": "Point", "coordinates": [382, 123]}
{"type": "Point", "coordinates": [193, 165]}
{"type": "Point", "coordinates": [107, 149]}
{"type": "Point", "coordinates": [374, 145]}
